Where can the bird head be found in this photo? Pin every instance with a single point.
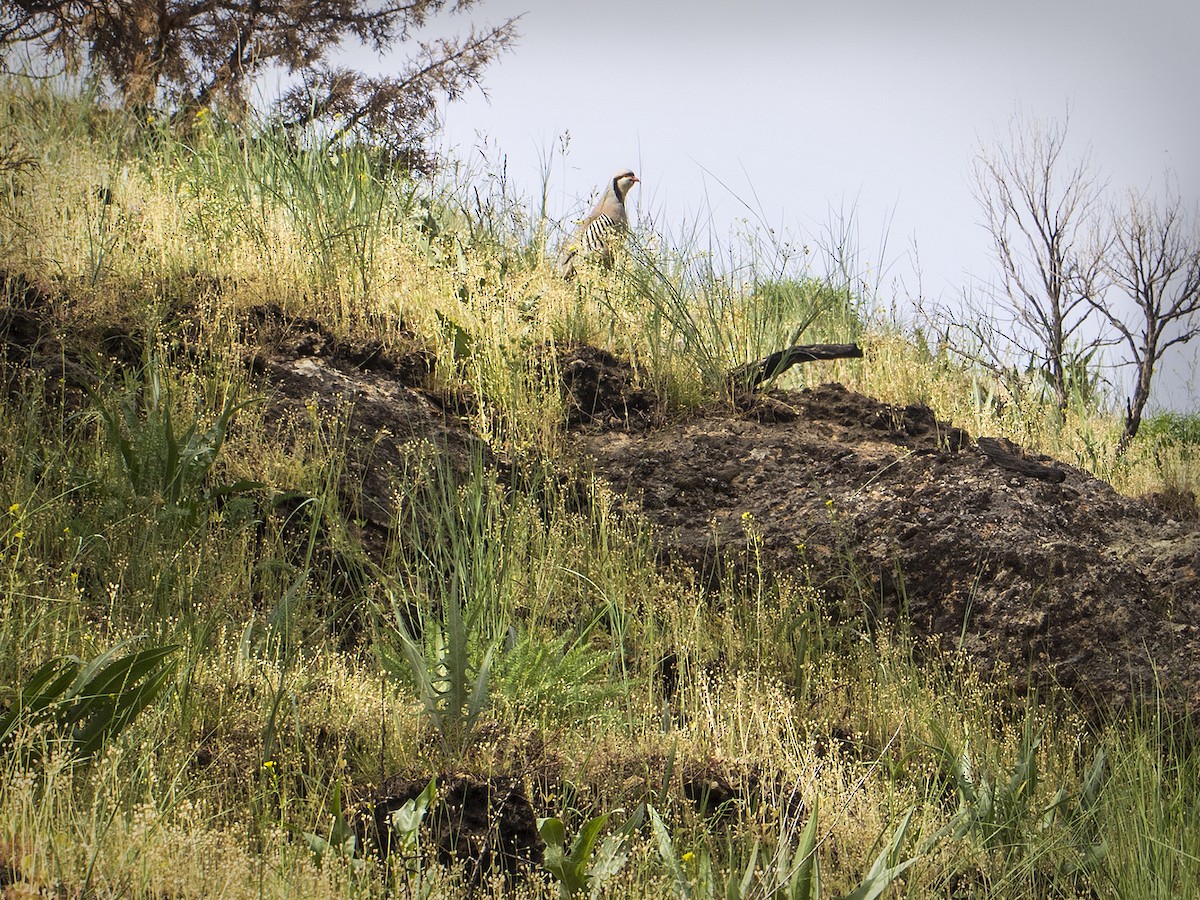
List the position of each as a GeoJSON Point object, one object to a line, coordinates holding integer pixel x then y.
{"type": "Point", "coordinates": [622, 182]}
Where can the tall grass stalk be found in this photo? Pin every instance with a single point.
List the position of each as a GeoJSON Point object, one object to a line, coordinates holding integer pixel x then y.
{"type": "Point", "coordinates": [702, 314]}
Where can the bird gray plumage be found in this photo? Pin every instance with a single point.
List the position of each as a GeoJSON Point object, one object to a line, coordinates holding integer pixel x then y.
{"type": "Point", "coordinates": [597, 232]}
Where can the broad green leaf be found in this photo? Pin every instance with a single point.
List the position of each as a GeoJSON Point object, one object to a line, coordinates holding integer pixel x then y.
{"type": "Point", "coordinates": [883, 872]}
{"type": "Point", "coordinates": [666, 849]}
{"type": "Point", "coordinates": [552, 831]}
{"type": "Point", "coordinates": [806, 878]}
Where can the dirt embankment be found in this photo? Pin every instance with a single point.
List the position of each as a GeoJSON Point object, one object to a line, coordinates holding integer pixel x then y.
{"type": "Point", "coordinates": [1023, 561]}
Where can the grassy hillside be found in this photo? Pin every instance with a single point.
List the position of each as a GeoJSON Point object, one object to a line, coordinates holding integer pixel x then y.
{"type": "Point", "coordinates": [201, 694]}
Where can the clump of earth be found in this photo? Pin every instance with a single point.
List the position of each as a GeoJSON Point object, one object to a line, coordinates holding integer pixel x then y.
{"type": "Point", "coordinates": [1017, 560]}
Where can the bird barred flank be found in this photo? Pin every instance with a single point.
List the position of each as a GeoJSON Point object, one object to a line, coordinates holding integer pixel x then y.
{"type": "Point", "coordinates": [596, 234]}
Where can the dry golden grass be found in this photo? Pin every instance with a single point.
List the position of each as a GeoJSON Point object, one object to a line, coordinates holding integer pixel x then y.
{"type": "Point", "coordinates": [204, 795]}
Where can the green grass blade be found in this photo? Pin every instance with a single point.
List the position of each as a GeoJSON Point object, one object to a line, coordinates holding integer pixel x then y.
{"type": "Point", "coordinates": [883, 871]}
{"type": "Point", "coordinates": [804, 881]}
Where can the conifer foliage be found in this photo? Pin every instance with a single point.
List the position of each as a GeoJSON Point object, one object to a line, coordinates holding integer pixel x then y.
{"type": "Point", "coordinates": [190, 54]}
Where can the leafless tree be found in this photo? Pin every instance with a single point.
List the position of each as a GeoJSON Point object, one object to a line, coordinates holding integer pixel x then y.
{"type": "Point", "coordinates": [194, 53]}
{"type": "Point", "coordinates": [1155, 262]}
{"type": "Point", "coordinates": [1042, 213]}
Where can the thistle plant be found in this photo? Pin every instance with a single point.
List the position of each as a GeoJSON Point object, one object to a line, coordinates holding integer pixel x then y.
{"type": "Point", "coordinates": [1002, 809]}
{"type": "Point", "coordinates": [792, 874]}
{"type": "Point", "coordinates": [450, 679]}
{"type": "Point", "coordinates": [161, 459]}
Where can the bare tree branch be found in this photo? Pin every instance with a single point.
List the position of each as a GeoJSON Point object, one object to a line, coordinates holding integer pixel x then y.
{"type": "Point", "coordinates": [1042, 216]}
{"type": "Point", "coordinates": [1155, 263]}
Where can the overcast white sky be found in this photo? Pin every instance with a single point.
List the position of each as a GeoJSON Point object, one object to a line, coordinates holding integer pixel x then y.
{"type": "Point", "coordinates": [867, 104]}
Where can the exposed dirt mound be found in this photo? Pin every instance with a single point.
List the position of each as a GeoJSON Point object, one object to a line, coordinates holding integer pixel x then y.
{"type": "Point", "coordinates": [1025, 561]}
{"type": "Point", "coordinates": [601, 390]}
{"type": "Point", "coordinates": [478, 826]}
{"type": "Point", "coordinates": [389, 414]}
{"type": "Point", "coordinates": [41, 351]}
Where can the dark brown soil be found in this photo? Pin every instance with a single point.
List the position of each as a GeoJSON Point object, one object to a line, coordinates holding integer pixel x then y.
{"type": "Point", "coordinates": [1022, 561]}
{"type": "Point", "coordinates": [601, 391]}
{"type": "Point", "coordinates": [390, 414]}
{"type": "Point", "coordinates": [480, 826]}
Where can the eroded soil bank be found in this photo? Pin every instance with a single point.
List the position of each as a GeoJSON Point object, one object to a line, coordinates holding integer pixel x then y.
{"type": "Point", "coordinates": [1023, 561]}
{"type": "Point", "coordinates": [1020, 560]}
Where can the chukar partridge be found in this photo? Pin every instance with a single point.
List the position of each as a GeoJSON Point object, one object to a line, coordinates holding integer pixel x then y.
{"type": "Point", "coordinates": [603, 225]}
